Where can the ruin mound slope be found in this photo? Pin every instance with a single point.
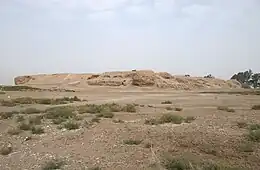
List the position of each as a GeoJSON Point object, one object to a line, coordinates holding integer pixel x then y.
{"type": "Point", "coordinates": [140, 78]}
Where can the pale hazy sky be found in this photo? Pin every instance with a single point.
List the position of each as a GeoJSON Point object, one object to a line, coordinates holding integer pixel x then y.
{"type": "Point", "coordinates": [194, 37]}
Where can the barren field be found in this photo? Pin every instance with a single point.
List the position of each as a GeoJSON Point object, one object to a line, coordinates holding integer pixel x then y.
{"type": "Point", "coordinates": [122, 129]}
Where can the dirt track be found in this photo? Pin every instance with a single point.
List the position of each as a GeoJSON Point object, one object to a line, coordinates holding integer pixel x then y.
{"type": "Point", "coordinates": [213, 136]}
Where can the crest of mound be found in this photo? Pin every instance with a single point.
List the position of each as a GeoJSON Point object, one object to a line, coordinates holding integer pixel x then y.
{"type": "Point", "coordinates": [137, 78]}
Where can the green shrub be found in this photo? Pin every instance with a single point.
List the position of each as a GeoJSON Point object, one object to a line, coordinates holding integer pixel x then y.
{"type": "Point", "coordinates": [254, 135]}
{"type": "Point", "coordinates": [118, 121]}
{"type": "Point", "coordinates": [58, 121]}
{"type": "Point", "coordinates": [254, 126]}
{"type": "Point", "coordinates": [106, 115]}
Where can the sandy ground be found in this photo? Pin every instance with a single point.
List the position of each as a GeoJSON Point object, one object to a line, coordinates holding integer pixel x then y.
{"type": "Point", "coordinates": [102, 144]}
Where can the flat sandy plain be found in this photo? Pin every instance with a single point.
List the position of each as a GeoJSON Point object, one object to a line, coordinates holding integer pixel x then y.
{"type": "Point", "coordinates": [215, 138]}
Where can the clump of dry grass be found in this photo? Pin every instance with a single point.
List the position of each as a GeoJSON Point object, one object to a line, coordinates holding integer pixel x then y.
{"type": "Point", "coordinates": [225, 108]}
{"type": "Point", "coordinates": [169, 108]}
{"type": "Point", "coordinates": [106, 114]}
{"type": "Point", "coordinates": [256, 107]}
{"type": "Point", "coordinates": [7, 103]}
{"type": "Point", "coordinates": [6, 149]}
{"type": "Point", "coordinates": [247, 147]}
{"type": "Point", "coordinates": [65, 112]}
{"type": "Point", "coordinates": [95, 119]}
{"type": "Point", "coordinates": [189, 119]}
{"type": "Point", "coordinates": [37, 130]}
{"type": "Point", "coordinates": [129, 108]}
{"type": "Point", "coordinates": [171, 118]}
{"type": "Point", "coordinates": [242, 124]}
{"type": "Point", "coordinates": [13, 131]}
{"type": "Point", "coordinates": [118, 121]}
{"type": "Point", "coordinates": [8, 115]}
{"type": "Point", "coordinates": [1, 92]}
{"type": "Point", "coordinates": [178, 109]}
{"type": "Point", "coordinates": [31, 111]}
{"type": "Point", "coordinates": [166, 102]}
{"type": "Point", "coordinates": [53, 164]}
{"type": "Point", "coordinates": [71, 125]}
{"type": "Point", "coordinates": [132, 142]}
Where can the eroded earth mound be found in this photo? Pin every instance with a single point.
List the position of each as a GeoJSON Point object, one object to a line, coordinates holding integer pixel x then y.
{"type": "Point", "coordinates": [139, 78]}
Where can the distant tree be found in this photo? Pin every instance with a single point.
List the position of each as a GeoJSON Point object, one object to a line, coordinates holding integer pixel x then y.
{"type": "Point", "coordinates": [255, 80]}
{"type": "Point", "coordinates": [248, 78]}
{"type": "Point", "coordinates": [209, 76]}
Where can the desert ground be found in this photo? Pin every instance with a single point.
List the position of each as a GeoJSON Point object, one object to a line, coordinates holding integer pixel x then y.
{"type": "Point", "coordinates": [142, 129]}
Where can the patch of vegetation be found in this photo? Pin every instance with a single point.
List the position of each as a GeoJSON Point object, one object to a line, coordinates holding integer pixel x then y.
{"type": "Point", "coordinates": [6, 149]}
{"type": "Point", "coordinates": [18, 88]}
{"type": "Point", "coordinates": [247, 147]}
{"type": "Point", "coordinates": [53, 164]}
{"type": "Point", "coordinates": [225, 108]}
{"type": "Point", "coordinates": [256, 107]}
{"type": "Point", "coordinates": [254, 135]}
{"type": "Point", "coordinates": [242, 124]}
{"type": "Point", "coordinates": [13, 131]}
{"type": "Point", "coordinates": [37, 130]}
{"type": "Point", "coordinates": [71, 125]}
{"type": "Point", "coordinates": [65, 112]}
{"type": "Point", "coordinates": [129, 108]}
{"type": "Point", "coordinates": [174, 163]}
{"type": "Point", "coordinates": [44, 101]}
{"type": "Point", "coordinates": [8, 115]}
{"type": "Point", "coordinates": [35, 120]}
{"type": "Point", "coordinates": [106, 114]}
{"type": "Point", "coordinates": [178, 109]}
{"type": "Point", "coordinates": [132, 142]}
{"type": "Point", "coordinates": [169, 108]}
{"type": "Point", "coordinates": [118, 121]}
{"type": "Point", "coordinates": [95, 119]}
{"type": "Point", "coordinates": [171, 118]}
{"type": "Point", "coordinates": [189, 119]}
{"type": "Point", "coordinates": [1, 92]}
{"type": "Point", "coordinates": [31, 111]}
{"type": "Point", "coordinates": [152, 121]}
{"type": "Point", "coordinates": [7, 103]}
{"type": "Point", "coordinates": [166, 102]}
{"type": "Point", "coordinates": [247, 92]}
{"type": "Point", "coordinates": [58, 121]}
{"type": "Point", "coordinates": [20, 118]}
{"type": "Point", "coordinates": [25, 126]}
{"type": "Point", "coordinates": [254, 127]}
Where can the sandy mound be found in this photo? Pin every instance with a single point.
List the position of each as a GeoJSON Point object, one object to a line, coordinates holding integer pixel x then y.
{"type": "Point", "coordinates": [142, 78]}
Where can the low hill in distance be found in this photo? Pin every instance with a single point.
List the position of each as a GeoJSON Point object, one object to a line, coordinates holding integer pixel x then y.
{"type": "Point", "coordinates": [137, 78]}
